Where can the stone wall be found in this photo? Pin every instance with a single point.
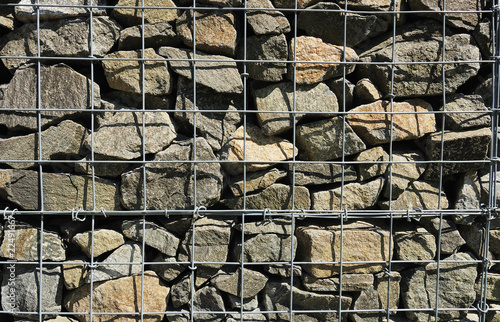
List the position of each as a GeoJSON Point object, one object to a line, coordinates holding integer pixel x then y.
{"type": "Point", "coordinates": [360, 146]}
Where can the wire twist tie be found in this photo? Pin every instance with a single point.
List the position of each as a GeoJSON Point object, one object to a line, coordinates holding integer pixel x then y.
{"type": "Point", "coordinates": [388, 273]}
{"type": "Point", "coordinates": [419, 211]}
{"type": "Point", "coordinates": [193, 268]}
{"type": "Point", "coordinates": [197, 214]}
{"type": "Point", "coordinates": [166, 214]}
{"type": "Point", "coordinates": [11, 216]}
{"type": "Point", "coordinates": [487, 261]}
{"type": "Point", "coordinates": [345, 215]}
{"type": "Point", "coordinates": [302, 214]}
{"type": "Point", "coordinates": [245, 74]}
{"type": "Point", "coordinates": [103, 212]}
{"type": "Point", "coordinates": [93, 266]}
{"type": "Point", "coordinates": [267, 214]}
{"type": "Point", "coordinates": [486, 307]}
{"type": "Point", "coordinates": [74, 215]}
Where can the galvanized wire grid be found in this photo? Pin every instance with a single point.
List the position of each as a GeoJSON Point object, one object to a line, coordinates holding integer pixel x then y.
{"type": "Point", "coordinates": [489, 211]}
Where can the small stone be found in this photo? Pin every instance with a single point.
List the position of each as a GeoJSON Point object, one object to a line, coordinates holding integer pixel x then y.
{"type": "Point", "coordinates": [264, 22]}
{"type": "Point", "coordinates": [230, 282]}
{"type": "Point", "coordinates": [266, 47]}
{"type": "Point", "coordinates": [484, 89]}
{"type": "Point", "coordinates": [7, 18]}
{"type": "Point", "coordinates": [366, 92]}
{"type": "Point", "coordinates": [468, 196]}
{"type": "Point", "coordinates": [320, 173]}
{"type": "Point", "coordinates": [132, 17]}
{"type": "Point", "coordinates": [278, 226]}
{"type": "Point", "coordinates": [414, 244]}
{"type": "Point", "coordinates": [283, 270]}
{"type": "Point", "coordinates": [367, 300]}
{"type": "Point", "coordinates": [125, 75]}
{"type": "Point", "coordinates": [74, 274]}
{"type": "Point", "coordinates": [492, 286]}
{"type": "Point", "coordinates": [167, 271]}
{"type": "Point", "coordinates": [208, 299]}
{"type": "Point", "coordinates": [255, 181]}
{"type": "Point", "coordinates": [406, 169]}
{"type": "Point", "coordinates": [155, 35]}
{"type": "Point", "coordinates": [375, 128]}
{"type": "Point", "coordinates": [462, 20]}
{"type": "Point", "coordinates": [370, 170]}
{"type": "Point", "coordinates": [105, 169]}
{"type": "Point", "coordinates": [451, 240]}
{"type": "Point", "coordinates": [266, 248]}
{"type": "Point", "coordinates": [350, 283]}
{"type": "Point", "coordinates": [314, 49]}
{"type": "Point", "coordinates": [384, 283]}
{"type": "Point", "coordinates": [328, 145]}
{"type": "Point", "coordinates": [128, 252]}
{"type": "Point", "coordinates": [419, 194]}
{"type": "Point", "coordinates": [27, 13]}
{"type": "Point", "coordinates": [249, 304]}
{"type": "Point", "coordinates": [181, 291]}
{"type": "Point", "coordinates": [474, 236]}
{"type": "Point", "coordinates": [155, 236]}
{"type": "Point", "coordinates": [100, 240]}
{"type": "Point", "coordinates": [482, 35]}
{"type": "Point", "coordinates": [464, 121]}
{"type": "Point", "coordinates": [344, 90]}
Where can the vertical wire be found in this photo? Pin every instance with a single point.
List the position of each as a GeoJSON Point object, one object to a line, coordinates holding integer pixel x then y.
{"type": "Point", "coordinates": [143, 93]}
{"type": "Point", "coordinates": [143, 259]}
{"type": "Point", "coordinates": [92, 266]}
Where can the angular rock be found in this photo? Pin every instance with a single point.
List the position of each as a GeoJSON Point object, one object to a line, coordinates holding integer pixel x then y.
{"type": "Point", "coordinates": [215, 31]}
{"type": "Point", "coordinates": [266, 47]}
{"type": "Point", "coordinates": [451, 240]}
{"type": "Point", "coordinates": [474, 236]}
{"type": "Point", "coordinates": [170, 185]}
{"type": "Point", "coordinates": [344, 90]}
{"type": "Point", "coordinates": [100, 240]}
{"type": "Point", "coordinates": [249, 304]}
{"type": "Point", "coordinates": [167, 271]}
{"type": "Point", "coordinates": [126, 75]}
{"type": "Point", "coordinates": [254, 145]}
{"type": "Point", "coordinates": [255, 181]}
{"type": "Point", "coordinates": [230, 282]}
{"type": "Point", "coordinates": [155, 35]}
{"type": "Point", "coordinates": [482, 35]}
{"type": "Point", "coordinates": [367, 300]}
{"type": "Point", "coordinates": [221, 76]}
{"type": "Point", "coordinates": [375, 128]}
{"type": "Point", "coordinates": [462, 20]}
{"type": "Point", "coordinates": [208, 299]}
{"type": "Point", "coordinates": [484, 180]}
{"type": "Point", "coordinates": [283, 270]}
{"type": "Point", "coordinates": [264, 22]}
{"type": "Point", "coordinates": [420, 42]}
{"type": "Point", "coordinates": [132, 17]}
{"type": "Point", "coordinates": [116, 100]}
{"type": "Point", "coordinates": [26, 13]}
{"type": "Point", "coordinates": [458, 146]}
{"type": "Point", "coordinates": [419, 194]}
{"type": "Point", "coordinates": [266, 248]}
{"type": "Point", "coordinates": [306, 48]}
{"type": "Point", "coordinates": [414, 244]}
{"type": "Point", "coordinates": [120, 295]}
{"type": "Point", "coordinates": [181, 291]}
{"type": "Point", "coordinates": [74, 93]}
{"type": "Point", "coordinates": [60, 38]}
{"type": "Point", "coordinates": [278, 226]}
{"type": "Point", "coordinates": [350, 283]}
{"type": "Point", "coordinates": [465, 121]}
{"type": "Point", "coordinates": [492, 289]}
{"type": "Point", "coordinates": [369, 170]}
{"type": "Point", "coordinates": [7, 18]}
{"type": "Point", "coordinates": [155, 236]}
{"type": "Point", "coordinates": [60, 142]}
{"type": "Point", "coordinates": [484, 89]}
{"type": "Point", "coordinates": [215, 127]}
{"type": "Point", "coordinates": [280, 98]}
{"type": "Point", "coordinates": [60, 191]}
{"type": "Point", "coordinates": [495, 241]}
{"type": "Point", "coordinates": [352, 196]}
{"type": "Point", "coordinates": [468, 196]}
{"type": "Point", "coordinates": [328, 145]}
{"type": "Point", "coordinates": [301, 4]}
{"type": "Point", "coordinates": [104, 169]}
{"type": "Point", "coordinates": [128, 252]}
{"type": "Point", "coordinates": [366, 92]}
{"type": "Point", "coordinates": [406, 169]}
{"type": "Point", "coordinates": [320, 173]}
{"type": "Point", "coordinates": [384, 282]}
{"type": "Point", "coordinates": [368, 4]}
{"type": "Point", "coordinates": [74, 274]}
{"type": "Point", "coordinates": [361, 242]}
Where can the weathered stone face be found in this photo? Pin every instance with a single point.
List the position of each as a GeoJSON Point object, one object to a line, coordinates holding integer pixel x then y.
{"type": "Point", "coordinates": [155, 35]}
{"type": "Point", "coordinates": [101, 241]}
{"type": "Point", "coordinates": [266, 47]}
{"type": "Point", "coordinates": [266, 22]}
{"type": "Point", "coordinates": [26, 13]}
{"type": "Point", "coordinates": [460, 20]}
{"type": "Point", "coordinates": [132, 17]}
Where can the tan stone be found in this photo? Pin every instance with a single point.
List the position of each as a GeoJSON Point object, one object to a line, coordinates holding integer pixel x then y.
{"type": "Point", "coordinates": [103, 241]}
{"type": "Point", "coordinates": [130, 17]}
{"type": "Point", "coordinates": [415, 244]}
{"type": "Point", "coordinates": [74, 274]}
{"type": "Point", "coordinates": [420, 194]}
{"type": "Point", "coordinates": [366, 92]}
{"type": "Point", "coordinates": [406, 170]}
{"type": "Point", "coordinates": [229, 282]}
{"type": "Point", "coordinates": [7, 18]}
{"type": "Point", "coordinates": [314, 49]}
{"type": "Point", "coordinates": [369, 170]}
{"type": "Point", "coordinates": [256, 181]}
{"type": "Point", "coordinates": [383, 283]}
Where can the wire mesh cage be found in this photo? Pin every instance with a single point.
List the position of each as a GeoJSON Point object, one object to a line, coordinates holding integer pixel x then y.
{"type": "Point", "coordinates": [227, 160]}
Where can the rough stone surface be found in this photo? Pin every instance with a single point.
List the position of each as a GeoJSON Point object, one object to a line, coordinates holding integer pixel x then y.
{"type": "Point", "coordinates": [306, 48]}
{"type": "Point", "coordinates": [367, 300]}
{"type": "Point", "coordinates": [180, 291]}
{"type": "Point", "coordinates": [229, 282]}
{"type": "Point", "coordinates": [468, 196]}
{"type": "Point", "coordinates": [350, 283]}
{"type": "Point", "coordinates": [320, 173]}
{"type": "Point", "coordinates": [249, 304]}
{"type": "Point", "coordinates": [328, 145]}
{"type": "Point", "coordinates": [264, 22]}
{"type": "Point", "coordinates": [26, 13]}
{"type": "Point", "coordinates": [267, 248]}
{"type": "Point", "coordinates": [132, 17]}
{"type": "Point", "coordinates": [451, 240]}
{"type": "Point", "coordinates": [7, 18]}
{"type": "Point", "coordinates": [366, 92]}
{"type": "Point", "coordinates": [255, 181]}
{"type": "Point", "coordinates": [369, 170]}
{"type": "Point", "coordinates": [155, 35]}
{"type": "Point", "coordinates": [254, 145]}
{"type": "Point", "coordinates": [405, 170]}
{"type": "Point", "coordinates": [414, 244]}
{"type": "Point", "coordinates": [280, 226]}
{"type": "Point", "coordinates": [383, 283]}
{"type": "Point", "coordinates": [155, 236]}
{"type": "Point", "coordinates": [266, 47]}
{"type": "Point", "coordinates": [167, 271]}
{"type": "Point", "coordinates": [352, 196]}
{"type": "Point", "coordinates": [419, 194]}
{"type": "Point", "coordinates": [464, 121]}
{"type": "Point", "coordinates": [344, 90]}
{"type": "Point", "coordinates": [120, 295]}
{"type": "Point", "coordinates": [74, 274]}
{"type": "Point", "coordinates": [102, 241]}
{"type": "Point", "coordinates": [474, 235]}
{"type": "Point", "coordinates": [493, 287]}
{"type": "Point", "coordinates": [460, 20]}
{"type": "Point", "coordinates": [208, 298]}
{"type": "Point", "coordinates": [128, 252]}
{"type": "Point", "coordinates": [280, 98]}
{"type": "Point", "coordinates": [482, 35]}
{"type": "Point", "coordinates": [108, 169]}
{"type": "Point", "coordinates": [375, 128]}
{"type": "Point", "coordinates": [171, 185]}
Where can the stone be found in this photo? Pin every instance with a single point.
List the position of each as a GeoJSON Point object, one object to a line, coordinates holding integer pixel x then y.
{"type": "Point", "coordinates": [7, 18]}
{"type": "Point", "coordinates": [305, 48]}
{"type": "Point", "coordinates": [362, 242]}
{"type": "Point", "coordinates": [451, 240]}
{"type": "Point", "coordinates": [352, 196]}
{"type": "Point", "coordinates": [116, 100]}
{"type": "Point", "coordinates": [170, 185]}
{"type": "Point", "coordinates": [420, 41]}
{"type": "Point", "coordinates": [61, 142]}
{"type": "Point", "coordinates": [129, 252]}
{"type": "Point", "coordinates": [255, 181]}
{"type": "Point", "coordinates": [376, 128]}
{"type": "Point", "coordinates": [328, 145]}
{"type": "Point", "coordinates": [476, 142]}
{"type": "Point", "coordinates": [168, 269]}
{"type": "Point", "coordinates": [254, 145]}
{"type": "Point", "coordinates": [21, 242]}
{"type": "Point", "coordinates": [279, 226]}
{"type": "Point", "coordinates": [329, 25]}
{"type": "Point", "coordinates": [462, 20]}
{"type": "Point", "coordinates": [419, 194]}
{"type": "Point", "coordinates": [221, 76]}
{"type": "Point", "coordinates": [283, 270]}
{"type": "Point", "coordinates": [407, 168]}
{"type": "Point", "coordinates": [75, 274]}
{"type": "Point", "coordinates": [249, 304]}
{"type": "Point", "coordinates": [344, 90]}
{"type": "Point", "coordinates": [492, 286]}
{"type": "Point", "coordinates": [60, 38]}
{"type": "Point", "coordinates": [366, 92]}
{"type": "Point", "coordinates": [350, 283]}
{"type": "Point", "coordinates": [264, 22]}
{"type": "Point", "coordinates": [484, 89]}
{"type": "Point", "coordinates": [120, 295]}
{"type": "Point", "coordinates": [126, 75]}
{"type": "Point", "coordinates": [320, 173]}
{"type": "Point", "coordinates": [468, 196]}
{"type": "Point", "coordinates": [474, 235]}
{"type": "Point", "coordinates": [493, 314]}
{"type": "Point", "coordinates": [277, 196]}
{"type": "Point", "coordinates": [368, 4]}
{"type": "Point", "coordinates": [266, 248]}
{"type": "Point", "coordinates": [61, 192]}
{"type": "Point", "coordinates": [230, 282]}
{"type": "Point", "coordinates": [154, 235]}
{"type": "Point", "coordinates": [367, 300]}
{"type": "Point", "coordinates": [155, 35]}
{"type": "Point", "coordinates": [109, 168]}
{"type": "Point", "coordinates": [215, 127]}
{"type": "Point", "coordinates": [208, 299]}
{"type": "Point", "coordinates": [385, 283]}
{"type": "Point", "coordinates": [279, 98]}
{"type": "Point", "coordinates": [133, 17]}
{"type": "Point", "coordinates": [484, 180]}
{"type": "Point", "coordinates": [482, 35]}
{"type": "Point", "coordinates": [26, 13]}
{"type": "Point", "coordinates": [180, 293]}
{"type": "Point", "coordinates": [74, 93]}
{"type": "Point", "coordinates": [263, 48]}
{"type": "Point", "coordinates": [26, 287]}
{"type": "Point", "coordinates": [301, 4]}
{"type": "Point", "coordinates": [370, 170]}
{"type": "Point", "coordinates": [414, 244]}
{"type": "Point", "coordinates": [100, 240]}
{"type": "Point", "coordinates": [495, 241]}
{"type": "Point", "coordinates": [215, 31]}
{"type": "Point", "coordinates": [463, 121]}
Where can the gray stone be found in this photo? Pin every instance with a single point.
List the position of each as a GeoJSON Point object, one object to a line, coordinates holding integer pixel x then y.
{"type": "Point", "coordinates": [171, 184]}
{"type": "Point", "coordinates": [154, 236]}
{"type": "Point", "coordinates": [155, 35]}
{"type": "Point", "coordinates": [484, 180]}
{"type": "Point", "coordinates": [484, 89]}
{"type": "Point", "coordinates": [249, 304]}
{"type": "Point", "coordinates": [283, 270]}
{"type": "Point", "coordinates": [132, 17]}
{"type": "Point", "coordinates": [7, 18]}
{"type": "Point", "coordinates": [27, 285]}
{"type": "Point", "coordinates": [328, 145]}
{"type": "Point", "coordinates": [279, 98]}
{"type": "Point", "coordinates": [266, 47]}
{"type": "Point", "coordinates": [280, 226]}
{"type": "Point", "coordinates": [459, 102]}
{"type": "Point", "coordinates": [406, 169]}
{"type": "Point", "coordinates": [265, 22]}
{"type": "Point", "coordinates": [101, 169]}
{"type": "Point", "coordinates": [320, 173]}
{"type": "Point", "coordinates": [420, 41]}
{"type": "Point", "coordinates": [26, 13]}
{"type": "Point", "coordinates": [344, 90]}
{"type": "Point", "coordinates": [366, 92]}
{"type": "Point", "coordinates": [482, 35]}
{"type": "Point", "coordinates": [419, 194]}
{"type": "Point", "coordinates": [352, 196]}
{"type": "Point", "coordinates": [208, 299]}
{"type": "Point", "coordinates": [276, 196]}
{"type": "Point", "coordinates": [230, 282]}
{"type": "Point", "coordinates": [74, 93]}
{"type": "Point", "coordinates": [99, 240]}
{"type": "Point", "coordinates": [255, 181]}
{"type": "Point", "coordinates": [129, 252]}
{"type": "Point", "coordinates": [367, 300]}
{"type": "Point", "coordinates": [492, 286]}
{"type": "Point", "coordinates": [451, 240]}
{"type": "Point", "coordinates": [266, 248]}
{"type": "Point", "coordinates": [495, 241]}
{"type": "Point", "coordinates": [474, 236]}
{"type": "Point", "coordinates": [223, 77]}
{"type": "Point", "coordinates": [60, 38]}
{"type": "Point", "coordinates": [368, 4]}
{"type": "Point", "coordinates": [462, 20]}
{"type": "Point", "coordinates": [60, 191]}
{"type": "Point", "coordinates": [458, 146]}
{"type": "Point", "coordinates": [385, 282]}
{"type": "Point", "coordinates": [414, 244]}
{"type": "Point", "coordinates": [215, 127]}
{"type": "Point", "coordinates": [370, 170]}
{"type": "Point", "coordinates": [169, 270]}
{"type": "Point", "coordinates": [61, 142]}
{"type": "Point", "coordinates": [350, 283]}
{"type": "Point", "coordinates": [116, 100]}
{"type": "Point", "coordinates": [181, 291]}
{"type": "Point", "coordinates": [468, 196]}
{"type": "Point", "coordinates": [75, 274]}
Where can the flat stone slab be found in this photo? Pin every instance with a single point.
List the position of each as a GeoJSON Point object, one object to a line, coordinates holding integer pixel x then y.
{"type": "Point", "coordinates": [320, 173]}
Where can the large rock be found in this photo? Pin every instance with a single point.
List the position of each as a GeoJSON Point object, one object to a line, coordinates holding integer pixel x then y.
{"type": "Point", "coordinates": [264, 22]}
{"type": "Point", "coordinates": [406, 169]}
{"type": "Point", "coordinates": [133, 16]}
{"type": "Point", "coordinates": [170, 185]}
{"type": "Point", "coordinates": [361, 242]}
{"type": "Point", "coordinates": [129, 252]}
{"type": "Point", "coordinates": [376, 128]}
{"type": "Point", "coordinates": [280, 98]}
{"type": "Point", "coordinates": [462, 20]}
{"type": "Point", "coordinates": [99, 240]}
{"type": "Point", "coordinates": [306, 48]}
{"type": "Point", "coordinates": [26, 13]}
{"type": "Point", "coordinates": [60, 38]}
{"type": "Point", "coordinates": [266, 47]}
{"type": "Point", "coordinates": [230, 282]}
{"type": "Point", "coordinates": [414, 244]}
{"type": "Point", "coordinates": [320, 173]}
{"type": "Point", "coordinates": [221, 76]}
{"type": "Point", "coordinates": [420, 42]}
{"type": "Point", "coordinates": [155, 35]}
{"type": "Point", "coordinates": [60, 191]}
{"type": "Point", "coordinates": [255, 181]}
{"type": "Point", "coordinates": [74, 93]}
{"type": "Point", "coordinates": [154, 235]}
{"type": "Point", "coordinates": [464, 121]}
{"type": "Point", "coordinates": [120, 295]}
{"type": "Point", "coordinates": [492, 286]}
{"type": "Point", "coordinates": [419, 194]}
